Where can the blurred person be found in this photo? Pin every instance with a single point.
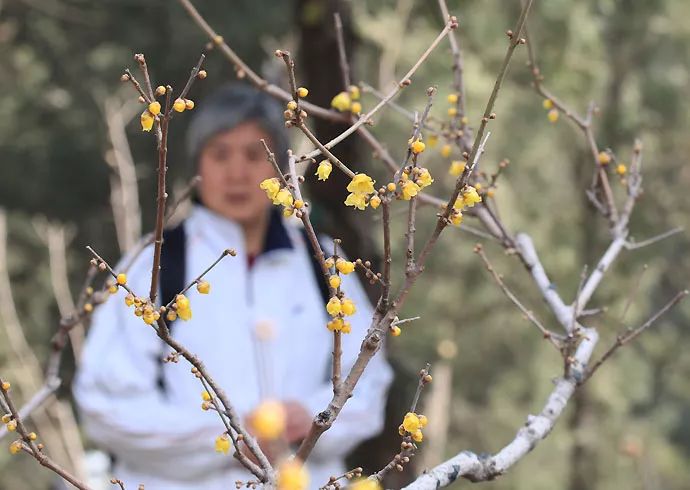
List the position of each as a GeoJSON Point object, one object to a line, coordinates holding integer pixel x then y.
{"type": "Point", "coordinates": [261, 332]}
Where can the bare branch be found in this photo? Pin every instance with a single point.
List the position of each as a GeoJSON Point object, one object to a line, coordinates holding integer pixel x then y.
{"type": "Point", "coordinates": [631, 334]}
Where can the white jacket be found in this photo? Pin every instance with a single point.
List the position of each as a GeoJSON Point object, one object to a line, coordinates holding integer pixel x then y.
{"type": "Point", "coordinates": [167, 441]}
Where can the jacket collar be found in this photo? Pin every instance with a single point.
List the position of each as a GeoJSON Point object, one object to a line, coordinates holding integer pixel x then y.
{"type": "Point", "coordinates": [277, 236]}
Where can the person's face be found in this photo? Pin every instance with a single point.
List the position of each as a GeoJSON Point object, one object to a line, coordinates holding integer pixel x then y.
{"type": "Point", "coordinates": [232, 164]}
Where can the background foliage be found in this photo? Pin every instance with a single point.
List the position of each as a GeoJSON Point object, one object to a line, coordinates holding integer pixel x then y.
{"type": "Point", "coordinates": [630, 428]}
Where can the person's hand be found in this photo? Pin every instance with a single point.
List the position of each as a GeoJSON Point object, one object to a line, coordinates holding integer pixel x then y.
{"type": "Point", "coordinates": [299, 421]}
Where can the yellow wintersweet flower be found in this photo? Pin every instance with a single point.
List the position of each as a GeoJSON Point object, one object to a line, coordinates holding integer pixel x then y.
{"type": "Point", "coordinates": [204, 287]}
{"type": "Point", "coordinates": [418, 436]}
{"type": "Point", "coordinates": [146, 120]}
{"type": "Point", "coordinates": [182, 301]}
{"type": "Point", "coordinates": [223, 444]}
{"type": "Point", "coordinates": [271, 186]}
{"type": "Point", "coordinates": [411, 422]}
{"type": "Point", "coordinates": [621, 169]}
{"type": "Point", "coordinates": [356, 108]}
{"type": "Point", "coordinates": [302, 92]}
{"type": "Point", "coordinates": [341, 102]}
{"type": "Point", "coordinates": [335, 325]}
{"type": "Point", "coordinates": [452, 98]}
{"type": "Point", "coordinates": [395, 331]}
{"type": "Point", "coordinates": [15, 447]}
{"type": "Point", "coordinates": [348, 307]}
{"type": "Point", "coordinates": [424, 178]}
{"type": "Point", "coordinates": [375, 202]}
{"type": "Point", "coordinates": [6, 418]}
{"type": "Point", "coordinates": [457, 167]}
{"type": "Point", "coordinates": [417, 147]}
{"type": "Point", "coordinates": [283, 197]}
{"type": "Point", "coordinates": [604, 158]}
{"type": "Point", "coordinates": [122, 278]}
{"type": "Point", "coordinates": [334, 281]}
{"type": "Point", "coordinates": [552, 115]}
{"type": "Point", "coordinates": [269, 420]}
{"type": "Point", "coordinates": [345, 266]}
{"type": "Point", "coordinates": [179, 105]}
{"type": "Point", "coordinates": [205, 396]}
{"type": "Point", "coordinates": [470, 196]}
{"type": "Point", "coordinates": [432, 140]}
{"type": "Point", "coordinates": [346, 328]}
{"type": "Point", "coordinates": [324, 170]}
{"type": "Point", "coordinates": [409, 190]}
{"type": "Point", "coordinates": [547, 104]}
{"type": "Point", "coordinates": [354, 92]}
{"type": "Point", "coordinates": [361, 184]}
{"type": "Point", "coordinates": [184, 313]}
{"type": "Point", "coordinates": [452, 111]}
{"type": "Point", "coordinates": [11, 425]}
{"type": "Point", "coordinates": [446, 150]}
{"type": "Point", "coordinates": [334, 307]}
{"type": "Point", "coordinates": [155, 107]}
{"type": "Point", "coordinates": [292, 475]}
{"type": "Point", "coordinates": [423, 421]}
{"type": "Point", "coordinates": [358, 201]}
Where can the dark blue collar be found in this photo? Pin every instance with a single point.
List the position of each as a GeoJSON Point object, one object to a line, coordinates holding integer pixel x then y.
{"type": "Point", "coordinates": [276, 235]}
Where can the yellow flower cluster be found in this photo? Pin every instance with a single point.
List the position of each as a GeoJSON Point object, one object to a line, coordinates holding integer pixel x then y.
{"type": "Point", "coordinates": [338, 307]}
{"type": "Point", "coordinates": [347, 100]}
{"type": "Point", "coordinates": [280, 196]}
{"type": "Point", "coordinates": [414, 180]}
{"type": "Point", "coordinates": [9, 422]}
{"type": "Point", "coordinates": [269, 420]}
{"type": "Point", "coordinates": [621, 169]}
{"type": "Point", "coordinates": [181, 105]}
{"type": "Point", "coordinates": [360, 188]}
{"type": "Point", "coordinates": [143, 308]}
{"type": "Point", "coordinates": [553, 114]}
{"type": "Point", "coordinates": [412, 425]}
{"type": "Point", "coordinates": [467, 199]}
{"type": "Point", "coordinates": [292, 475]}
{"type": "Point", "coordinates": [182, 307]}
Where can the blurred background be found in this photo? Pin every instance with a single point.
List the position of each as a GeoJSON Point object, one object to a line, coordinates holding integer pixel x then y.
{"type": "Point", "coordinates": [70, 136]}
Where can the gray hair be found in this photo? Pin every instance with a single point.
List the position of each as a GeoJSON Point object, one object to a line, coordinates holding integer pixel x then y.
{"type": "Point", "coordinates": [231, 105]}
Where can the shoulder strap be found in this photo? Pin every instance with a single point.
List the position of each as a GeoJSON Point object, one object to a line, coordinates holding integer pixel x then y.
{"type": "Point", "coordinates": [172, 277]}
{"type": "Point", "coordinates": [316, 269]}
{"type": "Point", "coordinates": [173, 263]}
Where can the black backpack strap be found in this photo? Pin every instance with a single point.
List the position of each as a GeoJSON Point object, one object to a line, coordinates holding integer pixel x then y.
{"type": "Point", "coordinates": [316, 269]}
{"type": "Point", "coordinates": [172, 278]}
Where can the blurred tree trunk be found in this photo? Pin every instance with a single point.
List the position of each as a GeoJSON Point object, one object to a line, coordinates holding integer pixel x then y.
{"type": "Point", "coordinates": [318, 65]}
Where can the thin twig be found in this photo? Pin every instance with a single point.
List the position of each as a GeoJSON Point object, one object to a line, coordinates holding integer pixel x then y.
{"type": "Point", "coordinates": [547, 334]}
{"type": "Point", "coordinates": [253, 77]}
{"type": "Point", "coordinates": [342, 54]}
{"type": "Point", "coordinates": [633, 245]}
{"type": "Point", "coordinates": [404, 81]}
{"type": "Point", "coordinates": [30, 446]}
{"type": "Point", "coordinates": [631, 334]}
